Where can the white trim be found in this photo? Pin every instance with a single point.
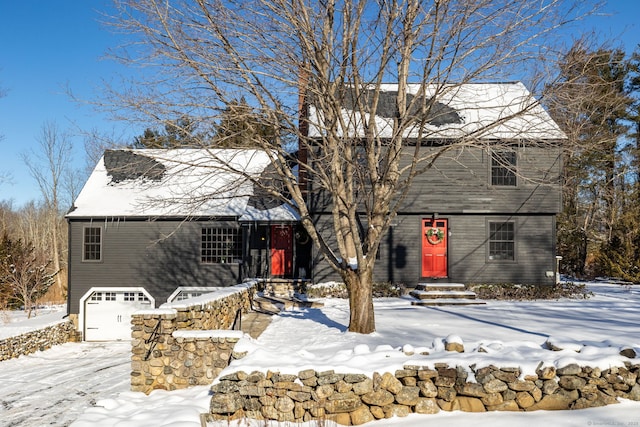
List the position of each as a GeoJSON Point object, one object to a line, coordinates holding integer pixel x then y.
{"type": "Point", "coordinates": [87, 294]}
{"type": "Point", "coordinates": [204, 289]}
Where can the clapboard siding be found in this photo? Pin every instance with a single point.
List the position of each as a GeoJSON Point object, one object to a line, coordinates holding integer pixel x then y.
{"type": "Point", "coordinates": [401, 252]}
{"type": "Point", "coordinates": [459, 181]}
{"type": "Point", "coordinates": [156, 255]}
{"type": "Point", "coordinates": [457, 187]}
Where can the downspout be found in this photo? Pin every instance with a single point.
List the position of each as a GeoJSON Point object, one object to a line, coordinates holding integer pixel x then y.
{"type": "Point", "coordinates": [68, 267]}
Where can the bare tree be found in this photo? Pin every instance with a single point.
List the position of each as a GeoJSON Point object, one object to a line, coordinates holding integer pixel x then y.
{"type": "Point", "coordinates": [50, 167]}
{"type": "Point", "coordinates": [24, 273]}
{"type": "Point", "coordinates": [285, 57]}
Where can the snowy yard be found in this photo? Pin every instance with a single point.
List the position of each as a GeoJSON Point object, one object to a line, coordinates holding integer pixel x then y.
{"type": "Point", "coordinates": [89, 382]}
{"type": "Point", "coordinates": [54, 387]}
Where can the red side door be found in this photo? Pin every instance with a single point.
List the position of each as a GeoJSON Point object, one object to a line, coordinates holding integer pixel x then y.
{"type": "Point", "coordinates": [281, 250]}
{"type": "Point", "coordinates": [434, 247]}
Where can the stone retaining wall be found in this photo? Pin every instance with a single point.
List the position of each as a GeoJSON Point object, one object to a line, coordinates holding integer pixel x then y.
{"type": "Point", "coordinates": [353, 399]}
{"type": "Point", "coordinates": [39, 340]}
{"type": "Point", "coordinates": [186, 343]}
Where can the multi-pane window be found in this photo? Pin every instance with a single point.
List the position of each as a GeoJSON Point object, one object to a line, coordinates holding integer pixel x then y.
{"type": "Point", "coordinates": [186, 295]}
{"type": "Point", "coordinates": [109, 296]}
{"type": "Point", "coordinates": [92, 244]}
{"type": "Point", "coordinates": [130, 296]}
{"type": "Point", "coordinates": [96, 296]}
{"type": "Point", "coordinates": [502, 241]}
{"type": "Point", "coordinates": [503, 168]}
{"type": "Point", "coordinates": [221, 245]}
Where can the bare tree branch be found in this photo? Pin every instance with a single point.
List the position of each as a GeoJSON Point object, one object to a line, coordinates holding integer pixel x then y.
{"type": "Point", "coordinates": [211, 53]}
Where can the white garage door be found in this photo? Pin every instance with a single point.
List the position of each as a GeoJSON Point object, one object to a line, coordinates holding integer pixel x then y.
{"type": "Point", "coordinates": [107, 314]}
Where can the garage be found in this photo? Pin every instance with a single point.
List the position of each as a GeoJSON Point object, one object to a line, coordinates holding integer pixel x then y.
{"type": "Point", "coordinates": [107, 312]}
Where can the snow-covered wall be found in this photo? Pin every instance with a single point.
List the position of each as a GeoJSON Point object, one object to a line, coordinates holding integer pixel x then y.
{"type": "Point", "coordinates": [37, 340]}
{"type": "Point", "coordinates": [354, 399]}
{"type": "Point", "coordinates": [186, 343]}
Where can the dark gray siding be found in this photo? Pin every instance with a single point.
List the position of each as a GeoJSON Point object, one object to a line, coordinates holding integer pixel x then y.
{"type": "Point", "coordinates": [457, 187]}
{"type": "Point", "coordinates": [401, 252]}
{"type": "Point", "coordinates": [459, 182]}
{"type": "Point", "coordinates": [156, 255]}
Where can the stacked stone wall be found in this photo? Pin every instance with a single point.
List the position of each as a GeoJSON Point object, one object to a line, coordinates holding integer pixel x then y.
{"type": "Point", "coordinates": [354, 399]}
{"type": "Point", "coordinates": [186, 343]}
{"type": "Point", "coordinates": [38, 340]}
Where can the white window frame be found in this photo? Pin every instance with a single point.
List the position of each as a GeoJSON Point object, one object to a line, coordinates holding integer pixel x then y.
{"type": "Point", "coordinates": [514, 241]}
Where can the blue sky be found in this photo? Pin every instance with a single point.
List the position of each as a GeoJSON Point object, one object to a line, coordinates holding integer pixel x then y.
{"type": "Point", "coordinates": [49, 45]}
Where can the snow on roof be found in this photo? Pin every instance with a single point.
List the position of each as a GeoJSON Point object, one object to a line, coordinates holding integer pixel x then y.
{"type": "Point", "coordinates": [482, 110]}
{"type": "Point", "coordinates": [178, 183]}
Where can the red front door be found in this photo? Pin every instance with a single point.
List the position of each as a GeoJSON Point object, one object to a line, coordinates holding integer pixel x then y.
{"type": "Point", "coordinates": [434, 247]}
{"type": "Point", "coordinates": [281, 250]}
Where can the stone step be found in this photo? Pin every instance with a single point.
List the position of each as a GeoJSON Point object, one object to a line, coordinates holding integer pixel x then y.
{"type": "Point", "coordinates": [266, 305]}
{"type": "Point", "coordinates": [440, 287]}
{"type": "Point", "coordinates": [432, 294]}
{"type": "Point", "coordinates": [254, 323]}
{"type": "Point", "coordinates": [442, 294]}
{"type": "Point", "coordinates": [443, 302]}
{"type": "Point", "coordinates": [276, 304]}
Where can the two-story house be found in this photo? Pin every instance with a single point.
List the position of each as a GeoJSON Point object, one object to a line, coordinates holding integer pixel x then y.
{"type": "Point", "coordinates": [152, 226]}
{"type": "Point", "coordinates": [485, 211]}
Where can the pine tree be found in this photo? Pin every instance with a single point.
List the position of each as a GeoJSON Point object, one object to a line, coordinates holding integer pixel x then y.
{"type": "Point", "coordinates": [241, 127]}
{"type": "Point", "coordinates": [180, 133]}
{"type": "Point", "coordinates": [590, 103]}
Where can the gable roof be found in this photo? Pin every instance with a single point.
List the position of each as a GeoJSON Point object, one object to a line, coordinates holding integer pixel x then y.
{"type": "Point", "coordinates": [481, 110]}
{"type": "Point", "coordinates": [179, 183]}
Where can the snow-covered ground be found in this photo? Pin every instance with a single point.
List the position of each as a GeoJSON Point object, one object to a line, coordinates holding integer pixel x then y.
{"type": "Point", "coordinates": [512, 333]}
{"type": "Point", "coordinates": [54, 387]}
{"type": "Point", "coordinates": [13, 323]}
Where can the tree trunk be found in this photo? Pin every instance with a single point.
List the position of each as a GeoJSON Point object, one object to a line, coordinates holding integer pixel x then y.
{"type": "Point", "coordinates": [55, 229]}
{"type": "Point", "coordinates": [360, 288]}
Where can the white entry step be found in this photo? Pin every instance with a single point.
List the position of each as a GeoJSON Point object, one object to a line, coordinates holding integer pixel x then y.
{"type": "Point", "coordinates": [444, 301]}
{"type": "Point", "coordinates": [440, 286]}
{"type": "Point", "coordinates": [443, 294]}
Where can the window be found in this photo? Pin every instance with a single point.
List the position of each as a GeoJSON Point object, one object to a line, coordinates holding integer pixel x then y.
{"type": "Point", "coordinates": [109, 296]}
{"type": "Point", "coordinates": [129, 296]}
{"type": "Point", "coordinates": [502, 241]}
{"type": "Point", "coordinates": [186, 295]}
{"type": "Point", "coordinates": [96, 296]}
{"type": "Point", "coordinates": [503, 168]}
{"type": "Point", "coordinates": [142, 297]}
{"type": "Point", "coordinates": [92, 244]}
{"type": "Point", "coordinates": [221, 245]}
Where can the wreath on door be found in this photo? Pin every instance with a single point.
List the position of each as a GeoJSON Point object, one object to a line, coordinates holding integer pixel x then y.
{"type": "Point", "coordinates": [302, 237]}
{"type": "Point", "coordinates": [435, 235]}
